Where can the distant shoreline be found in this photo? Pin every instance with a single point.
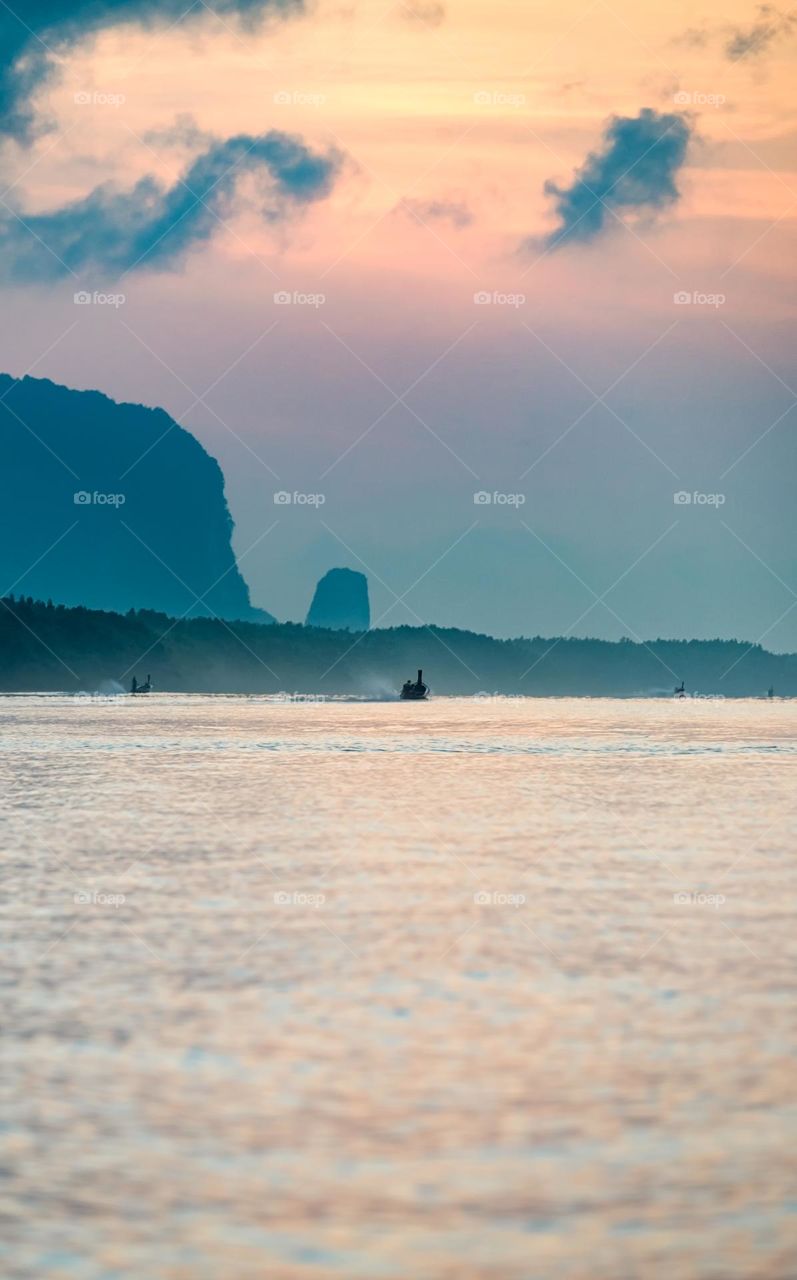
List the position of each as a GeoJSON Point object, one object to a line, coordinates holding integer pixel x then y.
{"type": "Point", "coordinates": [48, 648]}
{"type": "Point", "coordinates": [353, 699]}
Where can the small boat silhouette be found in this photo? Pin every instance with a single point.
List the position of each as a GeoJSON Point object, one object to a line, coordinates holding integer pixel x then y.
{"type": "Point", "coordinates": [680, 690]}
{"type": "Point", "coordinates": [414, 690]}
{"type": "Point", "coordinates": [141, 688]}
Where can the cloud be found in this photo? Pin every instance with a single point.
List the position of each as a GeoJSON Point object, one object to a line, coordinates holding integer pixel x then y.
{"type": "Point", "coordinates": [428, 13]}
{"type": "Point", "coordinates": [692, 38]}
{"type": "Point", "coordinates": [754, 40]}
{"type": "Point", "coordinates": [454, 211]}
{"type": "Point", "coordinates": [32, 44]}
{"type": "Point", "coordinates": [635, 169]}
{"type": "Point", "coordinates": [183, 133]}
{"type": "Point", "coordinates": [153, 227]}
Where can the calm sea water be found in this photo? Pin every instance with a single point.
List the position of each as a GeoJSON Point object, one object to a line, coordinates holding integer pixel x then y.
{"type": "Point", "coordinates": [467, 990]}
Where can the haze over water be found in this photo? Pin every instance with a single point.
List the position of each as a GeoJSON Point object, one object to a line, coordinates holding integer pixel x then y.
{"type": "Point", "coordinates": [485, 989]}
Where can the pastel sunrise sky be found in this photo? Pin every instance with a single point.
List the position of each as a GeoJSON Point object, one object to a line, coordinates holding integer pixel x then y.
{"type": "Point", "coordinates": [449, 152]}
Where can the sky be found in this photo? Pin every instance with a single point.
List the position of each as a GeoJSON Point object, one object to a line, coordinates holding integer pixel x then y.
{"type": "Point", "coordinates": [499, 294]}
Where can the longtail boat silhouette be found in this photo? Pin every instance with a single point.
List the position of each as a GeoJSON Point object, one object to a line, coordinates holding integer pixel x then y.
{"type": "Point", "coordinates": [679, 690]}
{"type": "Point", "coordinates": [135, 687]}
{"type": "Point", "coordinates": [414, 691]}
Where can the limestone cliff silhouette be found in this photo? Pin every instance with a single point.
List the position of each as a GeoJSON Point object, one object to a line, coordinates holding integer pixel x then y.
{"type": "Point", "coordinates": [112, 506]}
{"type": "Point", "coordinates": [340, 602]}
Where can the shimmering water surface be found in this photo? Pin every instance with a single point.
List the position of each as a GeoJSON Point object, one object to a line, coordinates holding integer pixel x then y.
{"type": "Point", "coordinates": [469, 989]}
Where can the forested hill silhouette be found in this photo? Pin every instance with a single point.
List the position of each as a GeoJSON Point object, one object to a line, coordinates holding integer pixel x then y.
{"type": "Point", "coordinates": [50, 647]}
{"type": "Point", "coordinates": [112, 506]}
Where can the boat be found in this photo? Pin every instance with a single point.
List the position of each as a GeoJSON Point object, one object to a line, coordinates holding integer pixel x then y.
{"type": "Point", "coordinates": [679, 690]}
{"type": "Point", "coordinates": [141, 688]}
{"type": "Point", "coordinates": [414, 690]}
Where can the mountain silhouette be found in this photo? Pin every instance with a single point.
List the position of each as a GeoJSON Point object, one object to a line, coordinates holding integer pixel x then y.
{"type": "Point", "coordinates": [112, 506]}
{"type": "Point", "coordinates": [340, 602]}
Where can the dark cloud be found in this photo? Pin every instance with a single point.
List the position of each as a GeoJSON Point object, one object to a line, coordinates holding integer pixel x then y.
{"type": "Point", "coordinates": [454, 211]}
{"type": "Point", "coordinates": [752, 41]}
{"type": "Point", "coordinates": [151, 226]}
{"type": "Point", "coordinates": [32, 43]}
{"type": "Point", "coordinates": [635, 169]}
{"type": "Point", "coordinates": [427, 13]}
{"type": "Point", "coordinates": [693, 38]}
{"type": "Point", "coordinates": [767, 28]}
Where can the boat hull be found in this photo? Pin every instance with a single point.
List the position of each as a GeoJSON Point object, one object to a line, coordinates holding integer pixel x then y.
{"type": "Point", "coordinates": [414, 690]}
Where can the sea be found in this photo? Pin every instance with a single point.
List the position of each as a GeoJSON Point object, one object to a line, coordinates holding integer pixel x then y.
{"type": "Point", "coordinates": [472, 989]}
